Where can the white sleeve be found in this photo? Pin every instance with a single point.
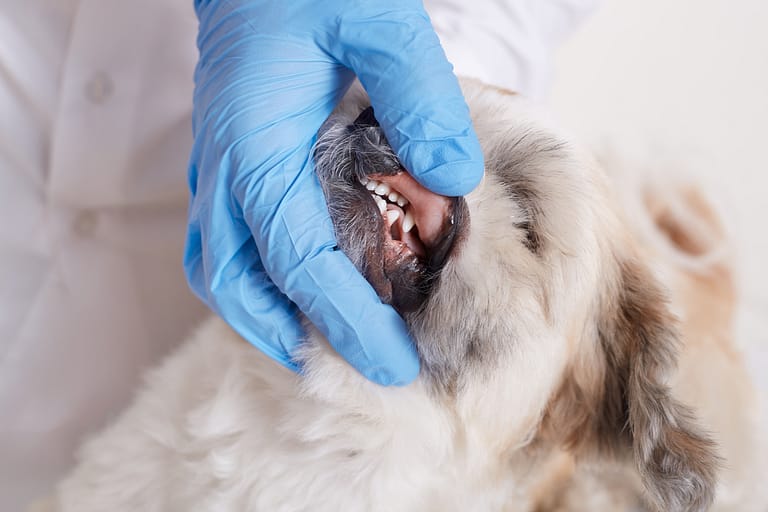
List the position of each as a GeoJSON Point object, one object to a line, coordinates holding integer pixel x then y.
{"type": "Point", "coordinates": [507, 43]}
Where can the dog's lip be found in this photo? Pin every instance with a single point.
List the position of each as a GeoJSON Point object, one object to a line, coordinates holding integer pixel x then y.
{"type": "Point", "coordinates": [430, 210]}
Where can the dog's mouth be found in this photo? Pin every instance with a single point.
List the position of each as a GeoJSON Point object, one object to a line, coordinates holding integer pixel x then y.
{"type": "Point", "coordinates": [417, 222]}
{"type": "Point", "coordinates": [399, 234]}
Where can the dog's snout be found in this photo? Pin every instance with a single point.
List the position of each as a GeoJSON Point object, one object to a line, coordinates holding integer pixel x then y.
{"type": "Point", "coordinates": [398, 233]}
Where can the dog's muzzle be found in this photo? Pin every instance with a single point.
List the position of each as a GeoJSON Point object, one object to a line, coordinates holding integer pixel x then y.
{"type": "Point", "coordinates": [411, 231]}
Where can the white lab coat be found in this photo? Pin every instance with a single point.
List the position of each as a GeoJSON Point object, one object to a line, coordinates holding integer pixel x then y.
{"type": "Point", "coordinates": [95, 97]}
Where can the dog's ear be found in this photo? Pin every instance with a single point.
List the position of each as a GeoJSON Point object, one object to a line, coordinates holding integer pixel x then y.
{"type": "Point", "coordinates": [615, 401]}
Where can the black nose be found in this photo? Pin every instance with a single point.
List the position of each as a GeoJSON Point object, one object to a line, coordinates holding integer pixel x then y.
{"type": "Point", "coordinates": [366, 118]}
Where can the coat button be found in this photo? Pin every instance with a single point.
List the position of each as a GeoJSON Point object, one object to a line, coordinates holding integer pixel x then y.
{"type": "Point", "coordinates": [86, 223]}
{"type": "Point", "coordinates": [99, 88]}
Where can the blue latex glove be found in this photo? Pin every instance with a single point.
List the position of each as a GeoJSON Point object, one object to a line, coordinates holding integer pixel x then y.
{"type": "Point", "coordinates": [260, 241]}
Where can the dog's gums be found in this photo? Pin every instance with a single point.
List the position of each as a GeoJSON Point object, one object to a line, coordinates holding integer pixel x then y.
{"type": "Point", "coordinates": [397, 213]}
{"type": "Point", "coordinates": [416, 218]}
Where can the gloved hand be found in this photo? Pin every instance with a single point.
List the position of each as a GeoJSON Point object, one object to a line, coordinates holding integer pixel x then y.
{"type": "Point", "coordinates": [260, 241]}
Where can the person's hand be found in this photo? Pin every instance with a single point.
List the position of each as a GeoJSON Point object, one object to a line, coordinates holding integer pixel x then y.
{"type": "Point", "coordinates": [260, 241]}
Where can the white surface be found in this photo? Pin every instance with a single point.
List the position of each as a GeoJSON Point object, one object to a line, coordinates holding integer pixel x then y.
{"type": "Point", "coordinates": [95, 97]}
{"type": "Point", "coordinates": [690, 77]}
{"type": "Point", "coordinates": [507, 43]}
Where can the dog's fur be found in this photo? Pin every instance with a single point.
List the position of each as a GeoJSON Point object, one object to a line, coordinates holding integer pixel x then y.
{"type": "Point", "coordinates": [548, 365]}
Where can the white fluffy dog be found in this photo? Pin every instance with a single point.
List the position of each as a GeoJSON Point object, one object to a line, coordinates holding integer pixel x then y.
{"type": "Point", "coordinates": [548, 357]}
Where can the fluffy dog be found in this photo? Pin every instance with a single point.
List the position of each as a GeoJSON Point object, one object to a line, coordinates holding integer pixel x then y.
{"type": "Point", "coordinates": [547, 348]}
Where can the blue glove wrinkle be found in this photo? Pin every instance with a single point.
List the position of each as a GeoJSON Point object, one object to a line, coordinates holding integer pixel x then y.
{"type": "Point", "coordinates": [227, 274]}
{"type": "Point", "coordinates": [226, 271]}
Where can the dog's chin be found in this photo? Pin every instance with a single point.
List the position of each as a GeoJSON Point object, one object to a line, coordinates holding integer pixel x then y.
{"type": "Point", "coordinates": [402, 233]}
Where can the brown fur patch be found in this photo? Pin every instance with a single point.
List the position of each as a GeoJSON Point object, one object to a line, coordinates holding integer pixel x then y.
{"type": "Point", "coordinates": [682, 236]}
{"type": "Point", "coordinates": [503, 91]}
{"type": "Point", "coordinates": [615, 401]}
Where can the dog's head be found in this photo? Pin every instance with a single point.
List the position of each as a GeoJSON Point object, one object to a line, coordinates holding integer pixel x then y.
{"type": "Point", "coordinates": [527, 295]}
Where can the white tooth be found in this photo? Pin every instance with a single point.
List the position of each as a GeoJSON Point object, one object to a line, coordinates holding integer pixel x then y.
{"type": "Point", "coordinates": [392, 216]}
{"type": "Point", "coordinates": [401, 201]}
{"type": "Point", "coordinates": [383, 189]}
{"type": "Point", "coordinates": [371, 185]}
{"type": "Point", "coordinates": [393, 196]}
{"type": "Point", "coordinates": [408, 221]}
{"type": "Point", "coordinates": [382, 204]}
{"type": "Point", "coordinates": [364, 181]}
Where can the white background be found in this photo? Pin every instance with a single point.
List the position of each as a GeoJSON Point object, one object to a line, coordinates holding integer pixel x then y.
{"type": "Point", "coordinates": [690, 76]}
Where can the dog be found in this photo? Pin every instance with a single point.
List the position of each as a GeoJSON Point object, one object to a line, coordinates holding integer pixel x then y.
{"type": "Point", "coordinates": [548, 346]}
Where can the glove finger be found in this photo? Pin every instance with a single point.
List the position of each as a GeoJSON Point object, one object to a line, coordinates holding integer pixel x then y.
{"type": "Point", "coordinates": [228, 275]}
{"type": "Point", "coordinates": [397, 56]}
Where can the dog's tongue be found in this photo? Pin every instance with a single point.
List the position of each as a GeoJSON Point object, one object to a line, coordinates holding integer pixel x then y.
{"type": "Point", "coordinates": [430, 210]}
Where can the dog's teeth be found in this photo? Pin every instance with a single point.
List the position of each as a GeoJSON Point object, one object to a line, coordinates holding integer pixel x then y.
{"type": "Point", "coordinates": [382, 204]}
{"type": "Point", "coordinates": [383, 189]}
{"type": "Point", "coordinates": [363, 181]}
{"type": "Point", "coordinates": [393, 196]}
{"type": "Point", "coordinates": [392, 216]}
{"type": "Point", "coordinates": [371, 185]}
{"type": "Point", "coordinates": [408, 221]}
{"type": "Point", "coordinates": [401, 201]}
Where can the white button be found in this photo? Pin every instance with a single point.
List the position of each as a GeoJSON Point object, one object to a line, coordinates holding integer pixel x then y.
{"type": "Point", "coordinates": [99, 88]}
{"type": "Point", "coordinates": [86, 223]}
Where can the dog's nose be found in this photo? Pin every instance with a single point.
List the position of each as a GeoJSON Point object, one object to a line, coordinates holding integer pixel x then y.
{"type": "Point", "coordinates": [366, 118]}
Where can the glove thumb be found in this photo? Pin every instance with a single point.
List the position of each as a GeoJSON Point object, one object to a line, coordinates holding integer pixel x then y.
{"type": "Point", "coordinates": [397, 56]}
